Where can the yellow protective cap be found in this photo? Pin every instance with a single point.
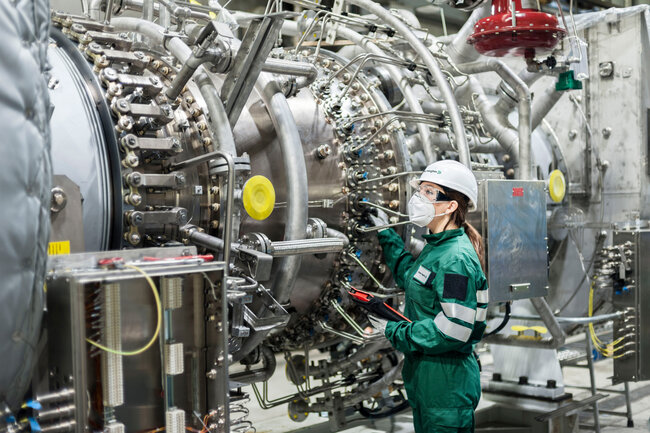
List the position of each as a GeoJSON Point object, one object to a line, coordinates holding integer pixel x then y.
{"type": "Point", "coordinates": [519, 328]}
{"type": "Point", "coordinates": [259, 197]}
{"type": "Point", "coordinates": [556, 186]}
{"type": "Point", "coordinates": [539, 329]}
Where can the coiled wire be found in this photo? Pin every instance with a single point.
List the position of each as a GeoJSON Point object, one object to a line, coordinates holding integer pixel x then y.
{"type": "Point", "coordinates": [239, 414]}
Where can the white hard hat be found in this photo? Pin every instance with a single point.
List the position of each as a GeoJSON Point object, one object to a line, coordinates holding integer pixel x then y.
{"type": "Point", "coordinates": [453, 175]}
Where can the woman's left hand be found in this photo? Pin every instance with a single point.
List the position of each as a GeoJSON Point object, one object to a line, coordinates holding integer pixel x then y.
{"type": "Point", "coordinates": [377, 323]}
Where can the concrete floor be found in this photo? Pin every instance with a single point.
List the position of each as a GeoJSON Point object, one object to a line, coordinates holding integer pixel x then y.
{"type": "Point", "coordinates": [276, 420]}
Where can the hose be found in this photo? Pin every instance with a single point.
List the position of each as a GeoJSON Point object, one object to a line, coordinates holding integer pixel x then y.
{"type": "Point", "coordinates": [370, 414]}
{"type": "Point", "coordinates": [503, 323]}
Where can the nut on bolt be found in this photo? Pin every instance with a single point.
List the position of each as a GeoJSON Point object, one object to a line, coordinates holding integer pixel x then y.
{"type": "Point", "coordinates": [130, 141]}
{"type": "Point", "coordinates": [134, 238]}
{"type": "Point", "coordinates": [181, 217]}
{"type": "Point", "coordinates": [323, 151]}
{"type": "Point", "coordinates": [134, 199]}
{"type": "Point", "coordinates": [573, 134]}
{"type": "Point", "coordinates": [58, 200]}
{"type": "Point", "coordinates": [134, 179]}
{"type": "Point", "coordinates": [605, 69]}
{"type": "Point", "coordinates": [135, 217]}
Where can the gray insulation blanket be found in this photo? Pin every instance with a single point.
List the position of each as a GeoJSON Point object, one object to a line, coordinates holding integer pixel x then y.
{"type": "Point", "coordinates": [25, 178]}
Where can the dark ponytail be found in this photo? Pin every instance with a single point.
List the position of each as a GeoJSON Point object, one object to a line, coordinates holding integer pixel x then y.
{"type": "Point", "coordinates": [458, 219]}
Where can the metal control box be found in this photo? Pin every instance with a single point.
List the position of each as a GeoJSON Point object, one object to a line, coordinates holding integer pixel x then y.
{"type": "Point", "coordinates": [631, 294]}
{"type": "Point", "coordinates": [513, 225]}
{"type": "Point", "coordinates": [115, 306]}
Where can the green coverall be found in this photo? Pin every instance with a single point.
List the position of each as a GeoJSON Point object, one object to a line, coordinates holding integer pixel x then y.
{"type": "Point", "coordinates": [446, 299]}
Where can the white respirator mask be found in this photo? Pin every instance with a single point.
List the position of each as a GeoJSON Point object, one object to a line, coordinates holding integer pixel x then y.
{"type": "Point", "coordinates": [421, 211]}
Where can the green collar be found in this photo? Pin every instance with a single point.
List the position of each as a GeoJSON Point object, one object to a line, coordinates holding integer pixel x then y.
{"type": "Point", "coordinates": [438, 238]}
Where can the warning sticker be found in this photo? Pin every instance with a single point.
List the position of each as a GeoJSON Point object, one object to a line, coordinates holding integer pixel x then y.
{"type": "Point", "coordinates": [60, 247]}
{"type": "Point", "coordinates": [517, 192]}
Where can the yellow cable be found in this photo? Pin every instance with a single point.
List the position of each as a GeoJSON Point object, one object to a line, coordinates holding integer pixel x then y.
{"type": "Point", "coordinates": [599, 345]}
{"type": "Point", "coordinates": [591, 309]}
{"type": "Point", "coordinates": [159, 321]}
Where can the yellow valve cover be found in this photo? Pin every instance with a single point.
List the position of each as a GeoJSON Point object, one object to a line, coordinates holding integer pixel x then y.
{"type": "Point", "coordinates": [259, 197]}
{"type": "Point", "coordinates": [556, 186]}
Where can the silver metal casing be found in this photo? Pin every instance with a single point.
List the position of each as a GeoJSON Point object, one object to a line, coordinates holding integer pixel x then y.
{"type": "Point", "coordinates": [513, 226]}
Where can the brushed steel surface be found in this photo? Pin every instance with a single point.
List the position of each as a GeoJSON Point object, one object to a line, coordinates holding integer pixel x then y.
{"type": "Point", "coordinates": [514, 213]}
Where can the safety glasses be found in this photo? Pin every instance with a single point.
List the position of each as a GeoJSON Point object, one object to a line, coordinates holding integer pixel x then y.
{"type": "Point", "coordinates": [430, 193]}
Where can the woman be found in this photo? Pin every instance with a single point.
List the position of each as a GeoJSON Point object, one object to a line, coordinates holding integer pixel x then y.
{"type": "Point", "coordinates": [446, 298]}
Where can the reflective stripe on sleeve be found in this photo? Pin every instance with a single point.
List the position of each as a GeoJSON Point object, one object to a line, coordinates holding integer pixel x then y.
{"type": "Point", "coordinates": [451, 329]}
{"type": "Point", "coordinates": [458, 311]}
{"type": "Point", "coordinates": [482, 296]}
{"type": "Point", "coordinates": [481, 314]}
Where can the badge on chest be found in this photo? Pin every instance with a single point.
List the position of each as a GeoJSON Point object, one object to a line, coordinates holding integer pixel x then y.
{"type": "Point", "coordinates": [424, 276]}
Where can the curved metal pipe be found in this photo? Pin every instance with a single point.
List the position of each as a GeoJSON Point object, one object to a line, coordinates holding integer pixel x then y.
{"type": "Point", "coordinates": [431, 107]}
{"type": "Point", "coordinates": [296, 171]}
{"type": "Point", "coordinates": [543, 104]}
{"type": "Point", "coordinates": [423, 52]}
{"type": "Point", "coordinates": [261, 374]}
{"type": "Point", "coordinates": [508, 99]}
{"type": "Point", "coordinates": [505, 136]}
{"type": "Point", "coordinates": [287, 67]}
{"type": "Point", "coordinates": [459, 50]}
{"type": "Point", "coordinates": [524, 108]}
{"type": "Point", "coordinates": [218, 118]}
{"type": "Point", "coordinates": [331, 233]}
{"type": "Point", "coordinates": [137, 25]}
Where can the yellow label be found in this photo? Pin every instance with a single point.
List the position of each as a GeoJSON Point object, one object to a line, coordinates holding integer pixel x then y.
{"type": "Point", "coordinates": [60, 247]}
